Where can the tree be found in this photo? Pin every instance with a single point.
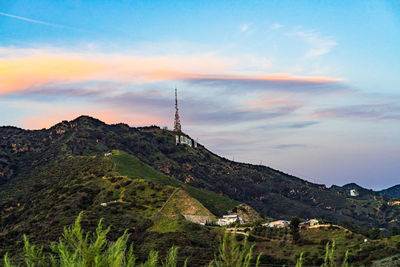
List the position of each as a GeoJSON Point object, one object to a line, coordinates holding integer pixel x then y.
{"type": "Point", "coordinates": [295, 229]}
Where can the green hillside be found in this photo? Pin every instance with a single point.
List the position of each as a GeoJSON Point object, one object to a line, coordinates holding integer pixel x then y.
{"type": "Point", "coordinates": [42, 203]}
{"type": "Point", "coordinates": [132, 167]}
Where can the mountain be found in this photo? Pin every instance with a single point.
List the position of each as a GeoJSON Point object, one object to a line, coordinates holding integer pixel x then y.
{"type": "Point", "coordinates": [393, 191]}
{"type": "Point", "coordinates": [47, 176]}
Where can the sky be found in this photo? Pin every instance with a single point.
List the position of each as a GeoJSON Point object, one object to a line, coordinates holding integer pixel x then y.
{"type": "Point", "coordinates": [311, 88]}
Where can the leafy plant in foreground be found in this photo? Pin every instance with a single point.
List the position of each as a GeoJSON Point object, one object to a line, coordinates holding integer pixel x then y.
{"type": "Point", "coordinates": [233, 254]}
{"type": "Point", "coordinates": [329, 260]}
{"type": "Point", "coordinates": [74, 249]}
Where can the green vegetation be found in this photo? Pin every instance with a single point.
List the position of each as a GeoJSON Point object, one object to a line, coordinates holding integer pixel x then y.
{"type": "Point", "coordinates": [47, 177]}
{"type": "Point", "coordinates": [132, 167]}
{"type": "Point", "coordinates": [75, 249]}
{"type": "Point", "coordinates": [231, 253]}
{"type": "Point", "coordinates": [295, 229]}
{"type": "Point", "coordinates": [58, 192]}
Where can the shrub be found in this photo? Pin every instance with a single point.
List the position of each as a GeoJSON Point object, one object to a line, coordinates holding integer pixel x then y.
{"type": "Point", "coordinates": [231, 253]}
{"type": "Point", "coordinates": [93, 249]}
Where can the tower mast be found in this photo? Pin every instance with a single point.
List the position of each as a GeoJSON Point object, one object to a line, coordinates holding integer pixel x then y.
{"type": "Point", "coordinates": [177, 123]}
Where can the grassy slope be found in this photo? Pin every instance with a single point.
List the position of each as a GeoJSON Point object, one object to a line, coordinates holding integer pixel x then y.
{"type": "Point", "coordinates": [183, 203]}
{"type": "Point", "coordinates": [132, 167]}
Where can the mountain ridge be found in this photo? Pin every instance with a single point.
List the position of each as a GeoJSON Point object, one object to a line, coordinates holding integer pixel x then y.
{"type": "Point", "coordinates": [271, 192]}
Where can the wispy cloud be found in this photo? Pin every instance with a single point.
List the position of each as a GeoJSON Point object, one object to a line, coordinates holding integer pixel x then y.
{"type": "Point", "coordinates": [276, 26]}
{"type": "Point", "coordinates": [278, 82]}
{"type": "Point", "coordinates": [63, 67]}
{"type": "Point", "coordinates": [198, 111]}
{"type": "Point", "coordinates": [290, 146]}
{"type": "Point", "coordinates": [384, 112]}
{"type": "Point", "coordinates": [319, 45]}
{"type": "Point", "coordinates": [37, 21]}
{"type": "Point", "coordinates": [286, 125]}
{"type": "Point", "coordinates": [244, 27]}
{"type": "Point", "coordinates": [197, 69]}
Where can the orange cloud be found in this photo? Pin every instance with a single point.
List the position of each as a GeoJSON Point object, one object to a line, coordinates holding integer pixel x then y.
{"type": "Point", "coordinates": [35, 68]}
{"type": "Point", "coordinates": [29, 69]}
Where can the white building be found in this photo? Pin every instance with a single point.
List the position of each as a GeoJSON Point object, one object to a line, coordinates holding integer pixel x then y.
{"type": "Point", "coordinates": [185, 141]}
{"type": "Point", "coordinates": [228, 219]}
{"type": "Point", "coordinates": [313, 222]}
{"type": "Point", "coordinates": [278, 224]}
{"type": "Point", "coordinates": [354, 192]}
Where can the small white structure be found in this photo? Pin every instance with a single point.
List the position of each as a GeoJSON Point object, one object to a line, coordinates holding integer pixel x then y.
{"type": "Point", "coordinates": [185, 141]}
{"type": "Point", "coordinates": [278, 224]}
{"type": "Point", "coordinates": [308, 223]}
{"type": "Point", "coordinates": [354, 193]}
{"type": "Point", "coordinates": [107, 154]}
{"type": "Point", "coordinates": [228, 219]}
{"type": "Point", "coordinates": [313, 222]}
{"type": "Point", "coordinates": [103, 204]}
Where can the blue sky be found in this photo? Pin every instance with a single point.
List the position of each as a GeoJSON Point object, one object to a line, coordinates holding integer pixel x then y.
{"type": "Point", "coordinates": [307, 87]}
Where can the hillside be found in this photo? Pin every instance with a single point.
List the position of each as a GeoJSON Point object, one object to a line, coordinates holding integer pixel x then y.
{"type": "Point", "coordinates": [270, 192]}
{"type": "Point", "coordinates": [127, 193]}
{"type": "Point", "coordinates": [393, 191]}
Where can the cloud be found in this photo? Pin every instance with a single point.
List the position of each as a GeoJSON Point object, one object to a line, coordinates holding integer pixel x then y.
{"type": "Point", "coordinates": [286, 125]}
{"type": "Point", "coordinates": [60, 67]}
{"type": "Point", "coordinates": [37, 21]}
{"type": "Point", "coordinates": [244, 27]}
{"type": "Point", "coordinates": [130, 84]}
{"type": "Point", "coordinates": [17, 73]}
{"type": "Point", "coordinates": [383, 112]}
{"type": "Point", "coordinates": [201, 110]}
{"type": "Point", "coordinates": [303, 124]}
{"type": "Point", "coordinates": [290, 146]}
{"type": "Point", "coordinates": [278, 82]}
{"type": "Point", "coordinates": [319, 45]}
{"type": "Point", "coordinates": [276, 26]}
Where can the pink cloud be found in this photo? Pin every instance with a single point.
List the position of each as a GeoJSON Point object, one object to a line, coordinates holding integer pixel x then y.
{"type": "Point", "coordinates": [27, 69]}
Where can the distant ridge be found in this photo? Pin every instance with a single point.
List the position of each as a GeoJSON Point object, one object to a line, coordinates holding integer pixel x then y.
{"type": "Point", "coordinates": [393, 191]}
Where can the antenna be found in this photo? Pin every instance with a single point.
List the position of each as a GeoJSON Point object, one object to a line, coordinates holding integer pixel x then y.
{"type": "Point", "coordinates": [177, 123]}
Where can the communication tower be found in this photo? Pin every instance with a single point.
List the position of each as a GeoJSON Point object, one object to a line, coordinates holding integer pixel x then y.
{"type": "Point", "coordinates": [177, 123]}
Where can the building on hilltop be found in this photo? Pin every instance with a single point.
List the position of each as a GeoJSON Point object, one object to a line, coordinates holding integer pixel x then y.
{"type": "Point", "coordinates": [177, 122]}
{"type": "Point", "coordinates": [354, 193]}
